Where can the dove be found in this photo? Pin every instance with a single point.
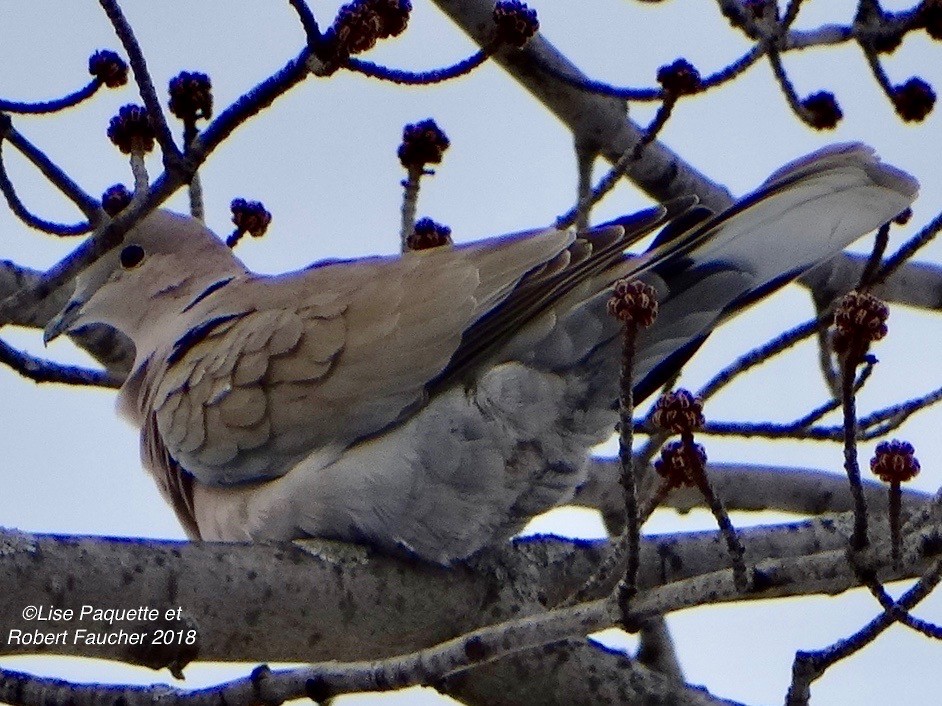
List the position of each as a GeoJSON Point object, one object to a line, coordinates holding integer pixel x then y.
{"type": "Point", "coordinates": [431, 403]}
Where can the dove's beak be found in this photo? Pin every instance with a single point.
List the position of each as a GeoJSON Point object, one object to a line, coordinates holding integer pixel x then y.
{"type": "Point", "coordinates": [63, 321]}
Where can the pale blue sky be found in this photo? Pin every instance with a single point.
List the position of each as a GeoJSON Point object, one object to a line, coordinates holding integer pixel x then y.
{"type": "Point", "coordinates": [323, 161]}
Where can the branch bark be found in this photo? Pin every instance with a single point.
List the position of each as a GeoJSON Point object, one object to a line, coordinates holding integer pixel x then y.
{"type": "Point", "coordinates": [331, 601]}
{"type": "Point", "coordinates": [743, 487]}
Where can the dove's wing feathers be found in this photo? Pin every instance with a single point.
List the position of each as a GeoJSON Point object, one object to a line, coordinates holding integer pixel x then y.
{"type": "Point", "coordinates": [578, 272]}
{"type": "Point", "coordinates": [313, 360]}
{"type": "Point", "coordinates": [174, 484]}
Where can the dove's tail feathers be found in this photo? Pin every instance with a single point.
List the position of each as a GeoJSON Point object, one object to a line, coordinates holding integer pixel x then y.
{"type": "Point", "coordinates": [500, 263]}
{"type": "Point", "coordinates": [804, 213]}
{"type": "Point", "coordinates": [707, 267]}
{"type": "Point", "coordinates": [713, 264]}
{"type": "Point", "coordinates": [843, 155]}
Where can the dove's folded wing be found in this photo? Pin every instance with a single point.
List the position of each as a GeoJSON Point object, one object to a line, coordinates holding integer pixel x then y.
{"type": "Point", "coordinates": [248, 391]}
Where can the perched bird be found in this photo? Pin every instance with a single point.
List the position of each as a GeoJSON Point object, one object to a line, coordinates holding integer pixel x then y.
{"type": "Point", "coordinates": [433, 402]}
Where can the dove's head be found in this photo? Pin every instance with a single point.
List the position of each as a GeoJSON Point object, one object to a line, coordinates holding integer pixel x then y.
{"type": "Point", "coordinates": [163, 264]}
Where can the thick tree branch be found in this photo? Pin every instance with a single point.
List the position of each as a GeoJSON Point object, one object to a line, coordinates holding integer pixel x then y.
{"type": "Point", "coordinates": [560, 670]}
{"type": "Point", "coordinates": [350, 604]}
{"type": "Point", "coordinates": [594, 120]}
{"type": "Point", "coordinates": [616, 679]}
{"type": "Point", "coordinates": [743, 487]}
{"type": "Point", "coordinates": [916, 284]}
{"type": "Point", "coordinates": [345, 603]}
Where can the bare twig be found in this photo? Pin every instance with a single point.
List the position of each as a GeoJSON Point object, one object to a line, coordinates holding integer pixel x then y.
{"type": "Point", "coordinates": [145, 84]}
{"type": "Point", "coordinates": [620, 167]}
{"type": "Point", "coordinates": [87, 204]}
{"type": "Point", "coordinates": [906, 251]}
{"type": "Point", "coordinates": [762, 354]}
{"type": "Point", "coordinates": [308, 21]}
{"type": "Point", "coordinates": [629, 480]}
{"type": "Point", "coordinates": [634, 304]}
{"type": "Point", "coordinates": [410, 201]}
{"type": "Point", "coordinates": [830, 405]}
{"type": "Point", "coordinates": [418, 78]}
{"type": "Point", "coordinates": [28, 217]}
{"type": "Point", "coordinates": [721, 76]}
{"type": "Point", "coordinates": [809, 666]}
{"type": "Point", "coordinates": [872, 426]}
{"type": "Point", "coordinates": [109, 234]}
{"type": "Point", "coordinates": [876, 256]}
{"type": "Point", "coordinates": [247, 105]}
{"type": "Point", "coordinates": [593, 119]}
{"type": "Point", "coordinates": [54, 105]}
{"type": "Point", "coordinates": [585, 160]}
{"type": "Point", "coordinates": [39, 370]}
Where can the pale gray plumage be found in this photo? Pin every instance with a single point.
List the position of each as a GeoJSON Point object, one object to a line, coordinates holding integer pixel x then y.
{"type": "Point", "coordinates": [436, 401]}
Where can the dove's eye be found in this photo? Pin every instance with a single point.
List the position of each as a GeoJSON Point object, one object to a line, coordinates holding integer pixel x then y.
{"type": "Point", "coordinates": [131, 256]}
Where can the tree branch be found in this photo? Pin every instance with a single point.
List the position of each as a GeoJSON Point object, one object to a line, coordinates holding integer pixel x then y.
{"type": "Point", "coordinates": [346, 603]}
{"type": "Point", "coordinates": [743, 487]}
{"type": "Point", "coordinates": [594, 120]}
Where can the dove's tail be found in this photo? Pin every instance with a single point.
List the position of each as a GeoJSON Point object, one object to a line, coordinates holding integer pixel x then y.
{"type": "Point", "coordinates": [802, 215]}
{"type": "Point", "coordinates": [707, 267]}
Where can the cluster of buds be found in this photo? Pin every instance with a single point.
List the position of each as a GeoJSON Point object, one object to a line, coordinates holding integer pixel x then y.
{"type": "Point", "coordinates": [428, 234]}
{"type": "Point", "coordinates": [895, 462]}
{"type": "Point", "coordinates": [913, 100]}
{"type": "Point", "coordinates": [822, 111]}
{"type": "Point", "coordinates": [634, 303]}
{"type": "Point", "coordinates": [678, 412]}
{"type": "Point", "coordinates": [248, 217]}
{"type": "Point", "coordinates": [115, 199]}
{"type": "Point", "coordinates": [131, 130]}
{"type": "Point", "coordinates": [679, 79]}
{"type": "Point", "coordinates": [682, 462]}
{"type": "Point", "coordinates": [191, 96]}
{"type": "Point", "coordinates": [930, 17]}
{"type": "Point", "coordinates": [422, 143]}
{"type": "Point", "coordinates": [108, 68]}
{"type": "Point", "coordinates": [860, 320]}
{"type": "Point", "coordinates": [516, 23]}
{"type": "Point", "coordinates": [359, 25]}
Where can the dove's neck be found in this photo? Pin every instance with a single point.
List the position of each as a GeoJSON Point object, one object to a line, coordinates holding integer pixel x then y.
{"type": "Point", "coordinates": [180, 306]}
{"type": "Point", "coordinates": [188, 304]}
